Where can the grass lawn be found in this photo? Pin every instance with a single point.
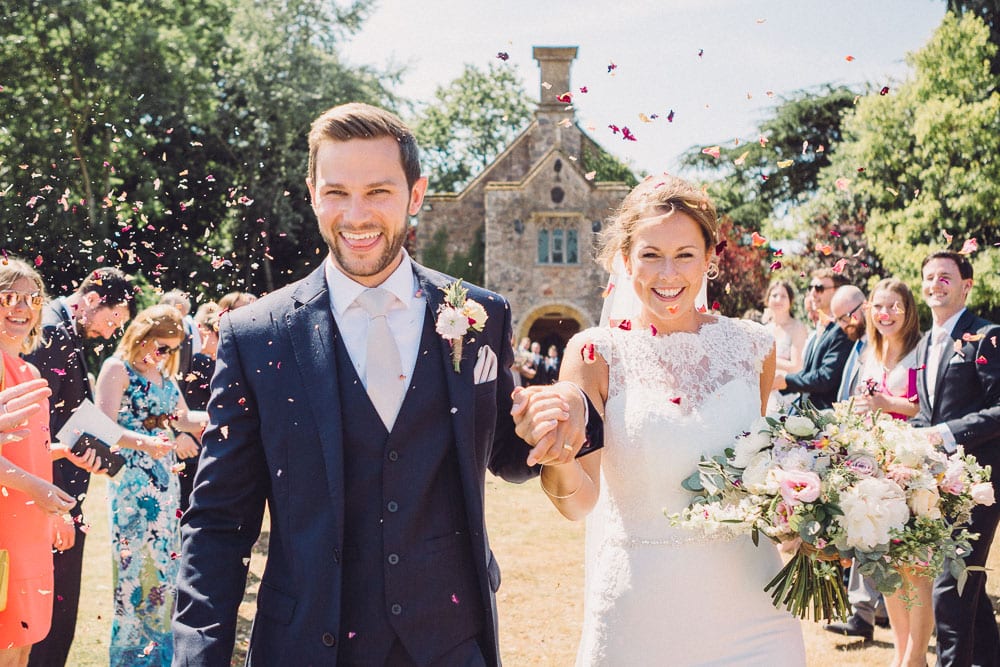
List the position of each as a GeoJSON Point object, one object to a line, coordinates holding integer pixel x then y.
{"type": "Point", "coordinates": [540, 600]}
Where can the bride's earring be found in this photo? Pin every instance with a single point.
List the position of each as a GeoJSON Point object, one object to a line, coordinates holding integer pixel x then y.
{"type": "Point", "coordinates": [713, 271]}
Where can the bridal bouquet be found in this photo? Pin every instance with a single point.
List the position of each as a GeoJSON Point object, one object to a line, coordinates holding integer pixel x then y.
{"type": "Point", "coordinates": [848, 485]}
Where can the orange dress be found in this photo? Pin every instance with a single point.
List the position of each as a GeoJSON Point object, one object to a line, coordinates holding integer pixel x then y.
{"type": "Point", "coordinates": [25, 530]}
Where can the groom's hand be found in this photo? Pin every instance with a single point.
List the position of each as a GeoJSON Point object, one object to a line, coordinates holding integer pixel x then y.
{"type": "Point", "coordinates": [552, 419]}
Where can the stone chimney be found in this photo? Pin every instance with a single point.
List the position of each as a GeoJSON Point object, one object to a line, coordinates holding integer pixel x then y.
{"type": "Point", "coordinates": [554, 62]}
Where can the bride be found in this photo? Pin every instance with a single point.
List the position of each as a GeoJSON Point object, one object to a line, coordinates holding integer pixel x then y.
{"type": "Point", "coordinates": [674, 383]}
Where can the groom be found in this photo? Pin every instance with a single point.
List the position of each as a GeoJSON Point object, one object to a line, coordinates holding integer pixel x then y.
{"type": "Point", "coordinates": [338, 403]}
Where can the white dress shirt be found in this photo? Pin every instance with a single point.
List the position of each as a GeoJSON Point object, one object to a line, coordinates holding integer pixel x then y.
{"type": "Point", "coordinates": [932, 367]}
{"type": "Point", "coordinates": [406, 318]}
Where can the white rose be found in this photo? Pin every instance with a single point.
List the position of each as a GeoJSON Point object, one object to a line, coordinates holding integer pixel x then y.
{"type": "Point", "coordinates": [797, 458]}
{"type": "Point", "coordinates": [982, 493]}
{"type": "Point", "coordinates": [755, 477]}
{"type": "Point", "coordinates": [872, 508]}
{"type": "Point", "coordinates": [800, 426]}
{"type": "Point", "coordinates": [925, 502]}
{"type": "Point", "coordinates": [748, 445]}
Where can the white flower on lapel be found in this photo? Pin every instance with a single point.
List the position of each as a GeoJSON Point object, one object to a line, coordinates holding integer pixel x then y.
{"type": "Point", "coordinates": [457, 316]}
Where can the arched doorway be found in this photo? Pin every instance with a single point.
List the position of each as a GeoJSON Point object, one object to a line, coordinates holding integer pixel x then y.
{"type": "Point", "coordinates": [552, 324]}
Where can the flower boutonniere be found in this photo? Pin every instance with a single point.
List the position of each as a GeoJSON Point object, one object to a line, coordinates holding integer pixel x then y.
{"type": "Point", "coordinates": [457, 316]}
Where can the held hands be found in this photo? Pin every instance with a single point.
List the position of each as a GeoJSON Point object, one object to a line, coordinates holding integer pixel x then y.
{"type": "Point", "coordinates": [552, 420]}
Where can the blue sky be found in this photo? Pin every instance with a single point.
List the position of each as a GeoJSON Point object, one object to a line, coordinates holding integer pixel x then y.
{"type": "Point", "coordinates": [752, 52]}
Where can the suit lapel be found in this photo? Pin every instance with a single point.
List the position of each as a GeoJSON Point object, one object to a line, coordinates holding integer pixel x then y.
{"type": "Point", "coordinates": [460, 384]}
{"type": "Point", "coordinates": [311, 330]}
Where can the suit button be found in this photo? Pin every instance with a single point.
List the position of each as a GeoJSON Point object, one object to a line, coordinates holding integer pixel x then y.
{"type": "Point", "coordinates": [393, 559]}
{"type": "Point", "coordinates": [392, 506]}
{"type": "Point", "coordinates": [329, 640]}
{"type": "Point", "coordinates": [393, 455]}
{"type": "Point", "coordinates": [396, 609]}
{"type": "Point", "coordinates": [336, 555]}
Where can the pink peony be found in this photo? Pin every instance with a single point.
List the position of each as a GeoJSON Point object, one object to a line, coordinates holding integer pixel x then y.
{"type": "Point", "coordinates": [799, 486]}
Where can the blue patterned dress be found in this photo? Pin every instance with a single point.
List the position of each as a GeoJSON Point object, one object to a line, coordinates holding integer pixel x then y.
{"type": "Point", "coordinates": [145, 537]}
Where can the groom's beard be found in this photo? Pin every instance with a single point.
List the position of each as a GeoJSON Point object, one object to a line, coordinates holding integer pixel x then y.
{"type": "Point", "coordinates": [352, 265]}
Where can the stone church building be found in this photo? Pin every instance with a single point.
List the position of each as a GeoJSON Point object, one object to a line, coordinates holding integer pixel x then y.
{"type": "Point", "coordinates": [538, 214]}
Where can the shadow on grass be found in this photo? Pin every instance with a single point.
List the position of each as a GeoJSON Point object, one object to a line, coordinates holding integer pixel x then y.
{"type": "Point", "coordinates": [248, 608]}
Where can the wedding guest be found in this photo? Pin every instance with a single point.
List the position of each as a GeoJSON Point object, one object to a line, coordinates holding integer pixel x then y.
{"type": "Point", "coordinates": [675, 385]}
{"type": "Point", "coordinates": [340, 405]}
{"type": "Point", "coordinates": [235, 300]}
{"type": "Point", "coordinates": [825, 357]}
{"type": "Point", "coordinates": [959, 398]}
{"type": "Point", "coordinates": [549, 368]}
{"type": "Point", "coordinates": [526, 362]}
{"type": "Point", "coordinates": [789, 336]}
{"type": "Point", "coordinates": [868, 607]}
{"type": "Point", "coordinates": [195, 388]}
{"type": "Point", "coordinates": [136, 388]}
{"type": "Point", "coordinates": [192, 339]}
{"type": "Point", "coordinates": [97, 310]}
{"type": "Point", "coordinates": [535, 374]}
{"type": "Point", "coordinates": [32, 509]}
{"type": "Point", "coordinates": [889, 383]}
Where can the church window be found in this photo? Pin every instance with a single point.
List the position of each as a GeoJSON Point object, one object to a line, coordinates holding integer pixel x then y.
{"type": "Point", "coordinates": [558, 245]}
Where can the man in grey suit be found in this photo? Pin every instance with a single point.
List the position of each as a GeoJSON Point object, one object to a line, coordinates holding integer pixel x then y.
{"type": "Point", "coordinates": [959, 393]}
{"type": "Point", "coordinates": [363, 405]}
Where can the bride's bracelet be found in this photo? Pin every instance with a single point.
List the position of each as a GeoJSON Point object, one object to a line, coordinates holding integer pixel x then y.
{"type": "Point", "coordinates": [579, 486]}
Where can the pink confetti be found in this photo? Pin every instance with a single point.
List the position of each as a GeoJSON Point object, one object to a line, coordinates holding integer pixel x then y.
{"type": "Point", "coordinates": [970, 246]}
{"type": "Point", "coordinates": [714, 151]}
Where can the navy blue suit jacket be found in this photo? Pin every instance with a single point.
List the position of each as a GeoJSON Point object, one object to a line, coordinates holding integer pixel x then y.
{"type": "Point", "coordinates": [275, 438]}
{"type": "Point", "coordinates": [822, 367]}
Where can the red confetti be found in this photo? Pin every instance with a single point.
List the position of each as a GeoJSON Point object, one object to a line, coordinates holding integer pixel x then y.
{"type": "Point", "coordinates": [614, 129]}
{"type": "Point", "coordinates": [612, 67]}
{"type": "Point", "coordinates": [716, 305]}
{"type": "Point", "coordinates": [849, 59]}
{"type": "Point", "coordinates": [676, 400]}
{"type": "Point", "coordinates": [884, 91]}
{"type": "Point", "coordinates": [503, 55]}
{"type": "Point", "coordinates": [625, 325]}
{"type": "Point", "coordinates": [583, 89]}
{"type": "Point", "coordinates": [670, 116]}
{"type": "Point", "coordinates": [627, 135]}
{"type": "Point", "coordinates": [970, 246]}
{"type": "Point", "coordinates": [981, 360]}
{"type": "Point", "coordinates": [565, 98]}
{"type": "Point", "coordinates": [652, 328]}
{"type": "Point", "coordinates": [38, 260]}
{"type": "Point", "coordinates": [775, 265]}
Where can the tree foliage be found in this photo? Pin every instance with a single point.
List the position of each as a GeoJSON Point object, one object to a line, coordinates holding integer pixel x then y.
{"type": "Point", "coordinates": [170, 135]}
{"type": "Point", "coordinates": [469, 122]}
{"type": "Point", "coordinates": [918, 167]}
{"type": "Point", "coordinates": [989, 12]}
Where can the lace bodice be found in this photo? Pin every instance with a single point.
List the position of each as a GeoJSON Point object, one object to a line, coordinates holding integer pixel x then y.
{"type": "Point", "coordinates": [671, 399]}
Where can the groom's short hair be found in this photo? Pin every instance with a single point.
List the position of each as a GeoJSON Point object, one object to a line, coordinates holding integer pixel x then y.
{"type": "Point", "coordinates": [357, 120]}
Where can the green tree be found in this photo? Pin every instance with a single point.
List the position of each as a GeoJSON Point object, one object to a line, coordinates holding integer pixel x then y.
{"type": "Point", "coordinates": [918, 167]}
{"type": "Point", "coordinates": [470, 121]}
{"type": "Point", "coordinates": [989, 12]}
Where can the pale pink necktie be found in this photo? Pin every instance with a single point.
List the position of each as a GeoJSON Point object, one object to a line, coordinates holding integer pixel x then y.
{"type": "Point", "coordinates": [384, 379]}
{"type": "Point", "coordinates": [939, 339]}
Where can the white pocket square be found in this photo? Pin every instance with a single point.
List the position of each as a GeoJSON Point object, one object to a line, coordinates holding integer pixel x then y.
{"type": "Point", "coordinates": [486, 365]}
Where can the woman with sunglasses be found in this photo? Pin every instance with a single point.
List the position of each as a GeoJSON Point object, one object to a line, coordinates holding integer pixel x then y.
{"type": "Point", "coordinates": [137, 388]}
{"type": "Point", "coordinates": [888, 382]}
{"type": "Point", "coordinates": [32, 509]}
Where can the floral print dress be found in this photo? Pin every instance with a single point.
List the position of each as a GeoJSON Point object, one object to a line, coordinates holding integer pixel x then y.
{"type": "Point", "coordinates": [144, 500]}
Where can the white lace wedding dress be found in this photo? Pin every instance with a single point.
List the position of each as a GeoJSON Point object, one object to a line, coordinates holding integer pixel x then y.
{"type": "Point", "coordinates": [655, 594]}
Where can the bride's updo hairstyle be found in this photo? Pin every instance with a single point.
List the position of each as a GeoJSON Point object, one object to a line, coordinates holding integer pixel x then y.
{"type": "Point", "coordinates": [656, 196]}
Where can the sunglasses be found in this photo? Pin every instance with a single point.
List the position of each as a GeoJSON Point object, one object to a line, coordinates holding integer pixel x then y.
{"type": "Point", "coordinates": [847, 318]}
{"type": "Point", "coordinates": [9, 299]}
{"type": "Point", "coordinates": [819, 289]}
{"type": "Point", "coordinates": [166, 349]}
